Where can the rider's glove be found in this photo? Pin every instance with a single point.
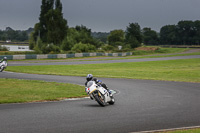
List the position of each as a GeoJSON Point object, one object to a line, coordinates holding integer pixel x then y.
{"type": "Point", "coordinates": [99, 81]}
{"type": "Point", "coordinates": [99, 84]}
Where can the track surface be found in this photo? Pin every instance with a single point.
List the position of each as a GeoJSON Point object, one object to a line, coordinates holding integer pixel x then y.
{"type": "Point", "coordinates": [141, 105]}
{"type": "Point", "coordinates": [19, 63]}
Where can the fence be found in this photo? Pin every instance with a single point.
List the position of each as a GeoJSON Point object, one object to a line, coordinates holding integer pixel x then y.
{"type": "Point", "coordinates": [57, 56]}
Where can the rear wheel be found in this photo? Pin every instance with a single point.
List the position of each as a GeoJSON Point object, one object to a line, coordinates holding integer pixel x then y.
{"type": "Point", "coordinates": [112, 101]}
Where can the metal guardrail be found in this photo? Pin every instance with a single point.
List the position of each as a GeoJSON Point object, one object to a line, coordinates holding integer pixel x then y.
{"type": "Point", "coordinates": [57, 56]}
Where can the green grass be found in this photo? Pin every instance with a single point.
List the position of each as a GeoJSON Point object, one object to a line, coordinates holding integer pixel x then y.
{"type": "Point", "coordinates": [186, 70]}
{"type": "Point", "coordinates": [184, 131]}
{"type": "Point", "coordinates": [172, 50]}
{"type": "Point", "coordinates": [160, 51]}
{"type": "Point", "coordinates": [20, 91]}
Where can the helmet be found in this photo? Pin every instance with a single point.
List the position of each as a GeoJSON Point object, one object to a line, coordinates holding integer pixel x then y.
{"type": "Point", "coordinates": [5, 58]}
{"type": "Point", "coordinates": [89, 77]}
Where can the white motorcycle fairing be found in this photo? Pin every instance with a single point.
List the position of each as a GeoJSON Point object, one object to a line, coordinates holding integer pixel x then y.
{"type": "Point", "coordinates": [100, 94]}
{"type": "Point", "coordinates": [3, 65]}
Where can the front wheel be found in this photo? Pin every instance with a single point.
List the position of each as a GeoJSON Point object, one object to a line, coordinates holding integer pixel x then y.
{"type": "Point", "coordinates": [100, 99]}
{"type": "Point", "coordinates": [2, 68]}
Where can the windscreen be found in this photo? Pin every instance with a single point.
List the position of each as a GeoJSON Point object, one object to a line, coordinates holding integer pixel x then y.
{"type": "Point", "coordinates": [90, 83]}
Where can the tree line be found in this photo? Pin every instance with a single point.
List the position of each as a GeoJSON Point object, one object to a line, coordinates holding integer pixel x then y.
{"type": "Point", "coordinates": [184, 33]}
{"type": "Point", "coordinates": [15, 35]}
{"type": "Point", "coordinates": [52, 34]}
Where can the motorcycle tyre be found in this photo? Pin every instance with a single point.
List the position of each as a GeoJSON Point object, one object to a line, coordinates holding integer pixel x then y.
{"type": "Point", "coordinates": [1, 69]}
{"type": "Point", "coordinates": [112, 101]}
{"type": "Point", "coordinates": [99, 101]}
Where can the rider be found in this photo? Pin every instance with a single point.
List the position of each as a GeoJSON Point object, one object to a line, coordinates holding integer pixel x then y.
{"type": "Point", "coordinates": [4, 59]}
{"type": "Point", "coordinates": [98, 82]}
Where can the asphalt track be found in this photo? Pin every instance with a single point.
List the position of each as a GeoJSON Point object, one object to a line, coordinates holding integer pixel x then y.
{"type": "Point", "coordinates": [19, 63]}
{"type": "Point", "coordinates": [141, 105]}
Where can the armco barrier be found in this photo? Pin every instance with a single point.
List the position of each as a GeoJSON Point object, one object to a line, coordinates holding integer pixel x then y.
{"type": "Point", "coordinates": [61, 56]}
{"type": "Point", "coordinates": [9, 57]}
{"type": "Point", "coordinates": [18, 57]}
{"type": "Point", "coordinates": [57, 56]}
{"type": "Point", "coordinates": [31, 56]}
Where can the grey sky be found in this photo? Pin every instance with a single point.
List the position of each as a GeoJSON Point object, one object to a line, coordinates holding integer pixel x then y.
{"type": "Point", "coordinates": [102, 15]}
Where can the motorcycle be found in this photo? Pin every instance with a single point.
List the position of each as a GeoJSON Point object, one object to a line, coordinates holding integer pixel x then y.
{"type": "Point", "coordinates": [3, 65]}
{"type": "Point", "coordinates": [100, 94]}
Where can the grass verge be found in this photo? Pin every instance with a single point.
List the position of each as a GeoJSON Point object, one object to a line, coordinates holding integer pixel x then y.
{"type": "Point", "coordinates": [20, 91]}
{"type": "Point", "coordinates": [186, 70]}
{"type": "Point", "coordinates": [183, 131]}
{"type": "Point", "coordinates": [158, 51]}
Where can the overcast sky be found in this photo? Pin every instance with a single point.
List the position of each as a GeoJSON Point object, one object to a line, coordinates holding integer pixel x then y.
{"type": "Point", "coordinates": [102, 15]}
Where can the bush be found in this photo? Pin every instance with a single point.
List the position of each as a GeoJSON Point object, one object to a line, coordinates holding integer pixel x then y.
{"type": "Point", "coordinates": [50, 48]}
{"type": "Point", "coordinates": [3, 48]}
{"type": "Point", "coordinates": [16, 52]}
{"type": "Point", "coordinates": [67, 43]}
{"type": "Point", "coordinates": [141, 52]}
{"type": "Point", "coordinates": [80, 47]}
{"type": "Point", "coordinates": [107, 48]}
{"type": "Point", "coordinates": [118, 44]}
{"type": "Point", "coordinates": [37, 50]}
{"type": "Point", "coordinates": [100, 50]}
{"type": "Point", "coordinates": [32, 42]}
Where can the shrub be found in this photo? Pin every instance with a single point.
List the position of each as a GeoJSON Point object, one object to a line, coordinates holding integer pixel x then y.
{"type": "Point", "coordinates": [107, 48]}
{"type": "Point", "coordinates": [37, 50]}
{"type": "Point", "coordinates": [50, 48]}
{"type": "Point", "coordinates": [67, 43]}
{"type": "Point", "coordinates": [80, 47]}
{"type": "Point", "coordinates": [3, 48]}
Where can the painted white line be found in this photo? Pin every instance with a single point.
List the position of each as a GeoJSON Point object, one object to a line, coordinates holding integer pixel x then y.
{"type": "Point", "coordinates": [165, 130]}
{"type": "Point", "coordinates": [75, 99]}
{"type": "Point", "coordinates": [12, 72]}
{"type": "Point", "coordinates": [7, 72]}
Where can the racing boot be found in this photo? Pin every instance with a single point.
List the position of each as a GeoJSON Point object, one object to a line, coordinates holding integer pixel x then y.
{"type": "Point", "coordinates": [110, 92]}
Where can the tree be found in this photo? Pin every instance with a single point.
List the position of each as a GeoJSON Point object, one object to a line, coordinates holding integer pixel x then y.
{"type": "Point", "coordinates": [84, 35]}
{"type": "Point", "coordinates": [116, 38]}
{"type": "Point", "coordinates": [150, 36]}
{"type": "Point", "coordinates": [42, 29]}
{"type": "Point", "coordinates": [52, 27]}
{"type": "Point", "coordinates": [14, 35]}
{"type": "Point", "coordinates": [197, 32]}
{"type": "Point", "coordinates": [79, 35]}
{"type": "Point", "coordinates": [70, 39]}
{"type": "Point", "coordinates": [56, 25]}
{"type": "Point", "coordinates": [102, 36]}
{"type": "Point", "coordinates": [1, 35]}
{"type": "Point", "coordinates": [168, 34]}
{"type": "Point", "coordinates": [186, 31]}
{"type": "Point", "coordinates": [133, 35]}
